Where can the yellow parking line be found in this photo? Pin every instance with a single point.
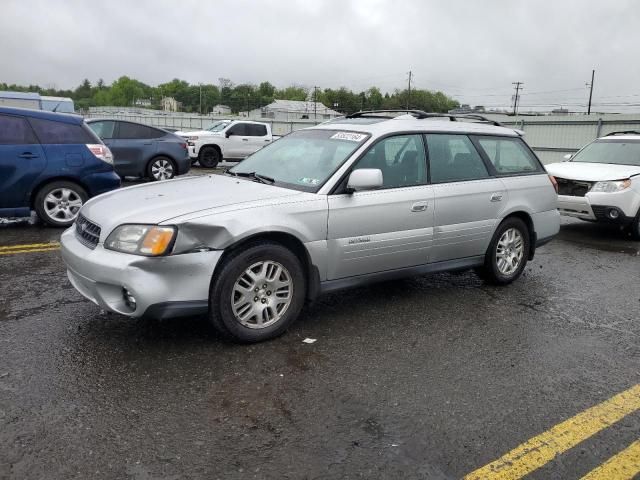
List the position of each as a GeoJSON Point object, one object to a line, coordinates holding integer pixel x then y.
{"type": "Point", "coordinates": [539, 450]}
{"type": "Point", "coordinates": [30, 250]}
{"type": "Point", "coordinates": [29, 246]}
{"type": "Point", "coordinates": [623, 466]}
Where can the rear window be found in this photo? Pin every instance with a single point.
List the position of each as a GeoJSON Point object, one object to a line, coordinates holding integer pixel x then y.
{"type": "Point", "coordinates": [509, 156]}
{"type": "Point", "coordinates": [133, 131]}
{"type": "Point", "coordinates": [255, 130]}
{"type": "Point", "coordinates": [15, 131]}
{"type": "Point", "coordinates": [52, 132]}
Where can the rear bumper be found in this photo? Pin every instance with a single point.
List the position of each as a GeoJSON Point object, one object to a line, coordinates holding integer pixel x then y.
{"type": "Point", "coordinates": [102, 182]}
{"type": "Point", "coordinates": [162, 286]}
{"type": "Point", "coordinates": [183, 165]}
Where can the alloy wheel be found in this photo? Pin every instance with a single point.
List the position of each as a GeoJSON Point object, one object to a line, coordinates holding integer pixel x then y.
{"type": "Point", "coordinates": [262, 294]}
{"type": "Point", "coordinates": [162, 169]}
{"type": "Point", "coordinates": [509, 251]}
{"type": "Point", "coordinates": [62, 204]}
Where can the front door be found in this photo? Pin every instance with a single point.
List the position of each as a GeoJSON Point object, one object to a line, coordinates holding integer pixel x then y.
{"type": "Point", "coordinates": [386, 229]}
{"type": "Point", "coordinates": [467, 200]}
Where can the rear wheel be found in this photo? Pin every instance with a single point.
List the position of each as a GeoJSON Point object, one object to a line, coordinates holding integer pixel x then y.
{"type": "Point", "coordinates": [507, 254]}
{"type": "Point", "coordinates": [258, 293]}
{"type": "Point", "coordinates": [58, 203]}
{"type": "Point", "coordinates": [209, 157]}
{"type": "Point", "coordinates": [161, 168]}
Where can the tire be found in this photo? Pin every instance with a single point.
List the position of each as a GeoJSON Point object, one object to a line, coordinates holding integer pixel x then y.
{"type": "Point", "coordinates": [58, 203]}
{"type": "Point", "coordinates": [257, 316]}
{"type": "Point", "coordinates": [635, 227]}
{"type": "Point", "coordinates": [161, 168]}
{"type": "Point", "coordinates": [512, 238]}
{"type": "Point", "coordinates": [209, 157]}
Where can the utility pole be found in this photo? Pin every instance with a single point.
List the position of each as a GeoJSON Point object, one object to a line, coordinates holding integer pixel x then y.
{"type": "Point", "coordinates": [200, 98]}
{"type": "Point", "coordinates": [409, 91]}
{"type": "Point", "coordinates": [590, 85]}
{"type": "Point", "coordinates": [315, 103]}
{"type": "Point", "coordinates": [518, 86]}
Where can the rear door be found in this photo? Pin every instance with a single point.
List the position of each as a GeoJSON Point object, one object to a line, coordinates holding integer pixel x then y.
{"type": "Point", "coordinates": [22, 161]}
{"type": "Point", "coordinates": [468, 199]}
{"type": "Point", "coordinates": [133, 146]}
{"type": "Point", "coordinates": [386, 229]}
{"type": "Point", "coordinates": [258, 137]}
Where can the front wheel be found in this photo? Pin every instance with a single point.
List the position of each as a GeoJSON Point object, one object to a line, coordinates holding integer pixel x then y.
{"type": "Point", "coordinates": [507, 254]}
{"type": "Point", "coordinates": [161, 168]}
{"type": "Point", "coordinates": [259, 292]}
{"type": "Point", "coordinates": [58, 203]}
{"type": "Point", "coordinates": [635, 227]}
{"type": "Point", "coordinates": [209, 157]}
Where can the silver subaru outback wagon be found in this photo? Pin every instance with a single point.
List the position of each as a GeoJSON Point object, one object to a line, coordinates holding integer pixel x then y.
{"type": "Point", "coordinates": [369, 197]}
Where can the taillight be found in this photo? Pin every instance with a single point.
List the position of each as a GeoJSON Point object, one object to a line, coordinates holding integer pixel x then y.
{"type": "Point", "coordinates": [102, 152]}
{"type": "Point", "coordinates": [554, 182]}
{"type": "Point", "coordinates": [183, 145]}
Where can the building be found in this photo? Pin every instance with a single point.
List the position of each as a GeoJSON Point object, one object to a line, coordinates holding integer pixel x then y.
{"type": "Point", "coordinates": [221, 110]}
{"type": "Point", "coordinates": [288, 110]}
{"type": "Point", "coordinates": [170, 104]}
{"type": "Point", "coordinates": [143, 102]}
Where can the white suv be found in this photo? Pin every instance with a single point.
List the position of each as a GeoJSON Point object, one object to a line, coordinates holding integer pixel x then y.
{"type": "Point", "coordinates": [602, 181]}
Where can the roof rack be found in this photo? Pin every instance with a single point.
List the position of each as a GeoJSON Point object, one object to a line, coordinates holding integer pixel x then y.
{"type": "Point", "coordinates": [624, 132]}
{"type": "Point", "coordinates": [420, 114]}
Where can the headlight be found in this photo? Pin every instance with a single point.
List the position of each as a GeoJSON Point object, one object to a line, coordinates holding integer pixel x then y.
{"type": "Point", "coordinates": [192, 139]}
{"type": "Point", "coordinates": [610, 187]}
{"type": "Point", "coordinates": [147, 240]}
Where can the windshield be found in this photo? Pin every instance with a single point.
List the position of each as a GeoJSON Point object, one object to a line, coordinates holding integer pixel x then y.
{"type": "Point", "coordinates": [615, 151]}
{"type": "Point", "coordinates": [303, 160]}
{"type": "Point", "coordinates": [218, 126]}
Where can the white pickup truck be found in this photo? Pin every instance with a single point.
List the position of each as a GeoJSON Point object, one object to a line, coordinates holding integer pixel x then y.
{"type": "Point", "coordinates": [228, 140]}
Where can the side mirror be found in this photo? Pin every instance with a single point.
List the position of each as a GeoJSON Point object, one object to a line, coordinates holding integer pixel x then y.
{"type": "Point", "coordinates": [567, 157]}
{"type": "Point", "coordinates": [365, 179]}
{"type": "Point", "coordinates": [228, 134]}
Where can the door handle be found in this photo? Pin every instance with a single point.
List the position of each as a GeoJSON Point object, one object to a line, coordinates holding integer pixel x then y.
{"type": "Point", "coordinates": [496, 197]}
{"type": "Point", "coordinates": [419, 206]}
{"type": "Point", "coordinates": [245, 139]}
{"type": "Point", "coordinates": [28, 155]}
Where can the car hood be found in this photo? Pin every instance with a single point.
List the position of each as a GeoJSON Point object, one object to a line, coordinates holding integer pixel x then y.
{"type": "Point", "coordinates": [592, 172]}
{"type": "Point", "coordinates": [160, 202]}
{"type": "Point", "coordinates": [197, 133]}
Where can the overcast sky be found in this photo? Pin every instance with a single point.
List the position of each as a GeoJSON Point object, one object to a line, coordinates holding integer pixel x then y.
{"type": "Point", "coordinates": [471, 50]}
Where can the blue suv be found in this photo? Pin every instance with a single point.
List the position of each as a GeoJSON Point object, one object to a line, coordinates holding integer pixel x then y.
{"type": "Point", "coordinates": [51, 163]}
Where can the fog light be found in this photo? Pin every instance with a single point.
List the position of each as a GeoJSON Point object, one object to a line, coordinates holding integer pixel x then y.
{"type": "Point", "coordinates": [129, 299]}
{"type": "Point", "coordinates": [613, 213]}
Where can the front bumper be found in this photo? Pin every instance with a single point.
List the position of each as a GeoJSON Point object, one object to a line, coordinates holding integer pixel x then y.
{"type": "Point", "coordinates": [191, 149]}
{"type": "Point", "coordinates": [162, 286]}
{"type": "Point", "coordinates": [597, 206]}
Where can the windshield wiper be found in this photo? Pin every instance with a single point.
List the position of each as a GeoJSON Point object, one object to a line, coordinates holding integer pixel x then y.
{"type": "Point", "coordinates": [252, 175]}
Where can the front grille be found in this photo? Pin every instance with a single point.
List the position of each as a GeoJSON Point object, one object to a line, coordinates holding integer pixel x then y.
{"type": "Point", "coordinates": [573, 188]}
{"type": "Point", "coordinates": [88, 233]}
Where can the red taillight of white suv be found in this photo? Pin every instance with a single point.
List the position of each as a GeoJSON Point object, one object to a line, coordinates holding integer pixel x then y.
{"type": "Point", "coordinates": [102, 152]}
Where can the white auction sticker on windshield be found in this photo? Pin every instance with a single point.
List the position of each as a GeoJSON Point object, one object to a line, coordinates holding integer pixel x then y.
{"type": "Point", "coordinates": [352, 137]}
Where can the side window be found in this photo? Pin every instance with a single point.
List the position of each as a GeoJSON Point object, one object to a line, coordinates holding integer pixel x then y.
{"type": "Point", "coordinates": [509, 155]}
{"type": "Point", "coordinates": [132, 131]}
{"type": "Point", "coordinates": [15, 131]}
{"type": "Point", "coordinates": [56, 133]}
{"type": "Point", "coordinates": [103, 129]}
{"type": "Point", "coordinates": [401, 160]}
{"type": "Point", "coordinates": [239, 129]}
{"type": "Point", "coordinates": [453, 158]}
{"type": "Point", "coordinates": [255, 130]}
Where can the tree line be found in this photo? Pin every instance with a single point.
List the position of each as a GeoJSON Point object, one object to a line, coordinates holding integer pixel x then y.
{"type": "Point", "coordinates": [201, 98]}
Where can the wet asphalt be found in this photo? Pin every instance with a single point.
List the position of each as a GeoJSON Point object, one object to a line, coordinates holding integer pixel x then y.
{"type": "Point", "coordinates": [430, 377]}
